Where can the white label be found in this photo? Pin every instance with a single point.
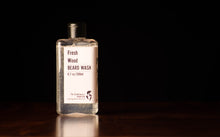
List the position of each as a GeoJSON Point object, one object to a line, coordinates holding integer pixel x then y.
{"type": "Point", "coordinates": [80, 74]}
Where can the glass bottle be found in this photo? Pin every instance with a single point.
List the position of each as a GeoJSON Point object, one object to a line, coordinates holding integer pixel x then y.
{"type": "Point", "coordinates": [76, 72]}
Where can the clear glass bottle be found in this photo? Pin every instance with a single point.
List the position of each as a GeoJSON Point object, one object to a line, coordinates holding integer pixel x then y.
{"type": "Point", "coordinates": [76, 72]}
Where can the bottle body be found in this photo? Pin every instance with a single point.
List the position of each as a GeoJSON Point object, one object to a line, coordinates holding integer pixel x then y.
{"type": "Point", "coordinates": [77, 78]}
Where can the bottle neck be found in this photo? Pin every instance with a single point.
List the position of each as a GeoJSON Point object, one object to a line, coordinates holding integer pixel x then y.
{"type": "Point", "coordinates": [72, 31]}
{"type": "Point", "coordinates": [77, 30]}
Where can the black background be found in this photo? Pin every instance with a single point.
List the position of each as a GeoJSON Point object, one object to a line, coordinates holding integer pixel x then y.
{"type": "Point", "coordinates": [148, 51]}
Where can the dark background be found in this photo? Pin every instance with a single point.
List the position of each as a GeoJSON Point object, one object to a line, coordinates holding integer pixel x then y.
{"type": "Point", "coordinates": [148, 51]}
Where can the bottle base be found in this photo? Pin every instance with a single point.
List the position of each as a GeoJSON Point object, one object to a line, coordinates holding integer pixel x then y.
{"type": "Point", "coordinates": [75, 109]}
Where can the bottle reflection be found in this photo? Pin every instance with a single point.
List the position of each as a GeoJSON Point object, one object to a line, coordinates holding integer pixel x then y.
{"type": "Point", "coordinates": [77, 126]}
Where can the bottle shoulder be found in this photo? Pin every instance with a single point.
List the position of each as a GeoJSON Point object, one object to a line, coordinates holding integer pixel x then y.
{"type": "Point", "coordinates": [77, 42]}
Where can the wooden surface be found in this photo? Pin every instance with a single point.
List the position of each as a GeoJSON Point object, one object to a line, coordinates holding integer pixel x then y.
{"type": "Point", "coordinates": [152, 119]}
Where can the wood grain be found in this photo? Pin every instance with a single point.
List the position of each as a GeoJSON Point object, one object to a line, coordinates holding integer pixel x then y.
{"type": "Point", "coordinates": [151, 119]}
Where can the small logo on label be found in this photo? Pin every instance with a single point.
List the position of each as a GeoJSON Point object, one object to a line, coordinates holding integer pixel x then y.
{"type": "Point", "coordinates": [89, 95]}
